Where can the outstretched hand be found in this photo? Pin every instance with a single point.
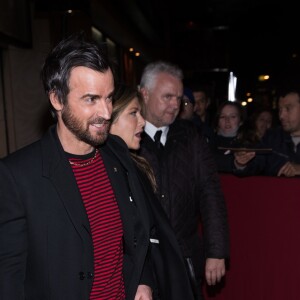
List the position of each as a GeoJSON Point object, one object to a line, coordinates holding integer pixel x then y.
{"type": "Point", "coordinates": [289, 170]}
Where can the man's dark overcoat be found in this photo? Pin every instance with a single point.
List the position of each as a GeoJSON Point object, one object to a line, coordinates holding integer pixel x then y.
{"type": "Point", "coordinates": [190, 193]}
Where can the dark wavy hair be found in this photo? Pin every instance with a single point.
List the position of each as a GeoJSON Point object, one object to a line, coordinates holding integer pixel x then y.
{"type": "Point", "coordinates": [74, 51]}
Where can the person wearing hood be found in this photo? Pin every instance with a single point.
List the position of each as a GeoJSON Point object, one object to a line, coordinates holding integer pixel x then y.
{"type": "Point", "coordinates": [187, 105]}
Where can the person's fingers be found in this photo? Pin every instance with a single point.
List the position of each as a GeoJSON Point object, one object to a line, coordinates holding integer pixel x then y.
{"type": "Point", "coordinates": [286, 170]}
{"type": "Point", "coordinates": [210, 278]}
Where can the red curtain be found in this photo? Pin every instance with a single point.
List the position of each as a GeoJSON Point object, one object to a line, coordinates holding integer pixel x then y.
{"type": "Point", "coordinates": [264, 220]}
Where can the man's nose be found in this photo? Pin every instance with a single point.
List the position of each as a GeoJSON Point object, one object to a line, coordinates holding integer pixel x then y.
{"type": "Point", "coordinates": [281, 115]}
{"type": "Point", "coordinates": [175, 102]}
{"type": "Point", "coordinates": [104, 109]}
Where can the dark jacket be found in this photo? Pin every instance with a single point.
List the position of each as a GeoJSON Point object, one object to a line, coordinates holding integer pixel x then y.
{"type": "Point", "coordinates": [225, 161]}
{"type": "Point", "coordinates": [205, 127]}
{"type": "Point", "coordinates": [171, 277]}
{"type": "Point", "coordinates": [190, 192]}
{"type": "Point", "coordinates": [46, 249]}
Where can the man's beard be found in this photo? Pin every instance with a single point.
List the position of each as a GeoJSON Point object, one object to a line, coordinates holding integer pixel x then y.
{"type": "Point", "coordinates": [81, 133]}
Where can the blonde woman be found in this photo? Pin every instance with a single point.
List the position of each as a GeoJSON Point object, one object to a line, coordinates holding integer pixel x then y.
{"type": "Point", "coordinates": [164, 253]}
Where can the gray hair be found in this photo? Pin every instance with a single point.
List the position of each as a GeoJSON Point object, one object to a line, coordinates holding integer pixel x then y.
{"type": "Point", "coordinates": [153, 69]}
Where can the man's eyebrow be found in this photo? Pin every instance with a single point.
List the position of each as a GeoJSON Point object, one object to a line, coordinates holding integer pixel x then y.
{"type": "Point", "coordinates": [95, 96]}
{"type": "Point", "coordinates": [89, 95]}
{"type": "Point", "coordinates": [110, 94]}
{"type": "Point", "coordinates": [172, 95]}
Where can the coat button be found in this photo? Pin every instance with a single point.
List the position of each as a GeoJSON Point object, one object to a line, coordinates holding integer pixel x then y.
{"type": "Point", "coordinates": [89, 275]}
{"type": "Point", "coordinates": [81, 275]}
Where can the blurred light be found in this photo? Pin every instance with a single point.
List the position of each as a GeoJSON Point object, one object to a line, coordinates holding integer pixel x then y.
{"type": "Point", "coordinates": [97, 35]}
{"type": "Point", "coordinates": [263, 77]}
{"type": "Point", "coordinates": [244, 103]}
{"type": "Point", "coordinates": [190, 24]}
{"type": "Point", "coordinates": [131, 49]}
{"type": "Point", "coordinates": [69, 11]}
{"type": "Point", "coordinates": [137, 54]}
{"type": "Point", "coordinates": [225, 70]}
{"type": "Point", "coordinates": [231, 87]}
{"type": "Point", "coordinates": [294, 55]}
{"type": "Point", "coordinates": [221, 27]}
{"type": "Point", "coordinates": [248, 94]}
{"type": "Point", "coordinates": [250, 99]}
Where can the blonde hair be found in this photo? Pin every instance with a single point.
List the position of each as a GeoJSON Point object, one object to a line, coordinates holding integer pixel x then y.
{"type": "Point", "coordinates": [122, 98]}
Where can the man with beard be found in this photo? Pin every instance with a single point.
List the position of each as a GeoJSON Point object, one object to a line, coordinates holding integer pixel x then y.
{"type": "Point", "coordinates": [70, 224]}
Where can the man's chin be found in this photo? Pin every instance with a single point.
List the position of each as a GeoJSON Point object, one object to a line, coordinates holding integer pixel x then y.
{"type": "Point", "coordinates": [170, 120]}
{"type": "Point", "coordinates": [101, 139]}
{"type": "Point", "coordinates": [287, 129]}
{"type": "Point", "coordinates": [96, 139]}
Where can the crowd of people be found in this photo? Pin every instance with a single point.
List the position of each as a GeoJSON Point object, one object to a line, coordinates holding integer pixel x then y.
{"type": "Point", "coordinates": [78, 220]}
{"type": "Point", "coordinates": [108, 203]}
{"type": "Point", "coordinates": [263, 142]}
{"type": "Point", "coordinates": [121, 198]}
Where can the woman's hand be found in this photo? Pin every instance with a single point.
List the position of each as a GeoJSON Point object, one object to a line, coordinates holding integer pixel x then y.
{"type": "Point", "coordinates": [144, 292]}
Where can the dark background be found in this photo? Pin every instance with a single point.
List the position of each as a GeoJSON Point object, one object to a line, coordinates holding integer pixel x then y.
{"type": "Point", "coordinates": [206, 38]}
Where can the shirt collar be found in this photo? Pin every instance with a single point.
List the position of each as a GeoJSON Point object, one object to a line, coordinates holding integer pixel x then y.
{"type": "Point", "coordinates": [150, 129]}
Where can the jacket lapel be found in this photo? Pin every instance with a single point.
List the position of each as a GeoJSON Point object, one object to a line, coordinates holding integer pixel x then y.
{"type": "Point", "coordinates": [123, 174]}
{"type": "Point", "coordinates": [117, 176]}
{"type": "Point", "coordinates": [57, 168]}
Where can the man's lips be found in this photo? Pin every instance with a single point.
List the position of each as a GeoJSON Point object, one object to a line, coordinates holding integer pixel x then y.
{"type": "Point", "coordinates": [98, 125]}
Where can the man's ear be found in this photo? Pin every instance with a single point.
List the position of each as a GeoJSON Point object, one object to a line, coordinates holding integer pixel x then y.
{"type": "Point", "coordinates": [58, 106]}
{"type": "Point", "coordinates": [145, 94]}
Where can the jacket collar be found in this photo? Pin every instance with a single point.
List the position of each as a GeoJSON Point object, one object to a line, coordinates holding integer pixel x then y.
{"type": "Point", "coordinates": [57, 168]}
{"type": "Point", "coordinates": [116, 146]}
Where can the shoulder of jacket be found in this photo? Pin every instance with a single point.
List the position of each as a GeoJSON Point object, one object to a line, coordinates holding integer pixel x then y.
{"type": "Point", "coordinates": [183, 127]}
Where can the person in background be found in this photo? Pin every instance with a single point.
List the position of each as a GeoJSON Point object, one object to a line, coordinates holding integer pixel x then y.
{"type": "Point", "coordinates": [187, 105]}
{"type": "Point", "coordinates": [128, 123]}
{"type": "Point", "coordinates": [71, 225]}
{"type": "Point", "coordinates": [262, 120]}
{"type": "Point", "coordinates": [284, 159]}
{"type": "Point", "coordinates": [186, 175]}
{"type": "Point", "coordinates": [229, 118]}
{"type": "Point", "coordinates": [256, 126]}
{"type": "Point", "coordinates": [202, 117]}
